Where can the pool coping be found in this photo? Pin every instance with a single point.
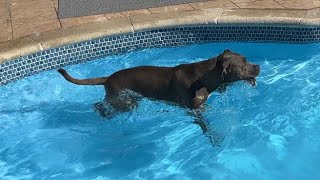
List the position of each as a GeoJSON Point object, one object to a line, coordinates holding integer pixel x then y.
{"type": "Point", "coordinates": [31, 44]}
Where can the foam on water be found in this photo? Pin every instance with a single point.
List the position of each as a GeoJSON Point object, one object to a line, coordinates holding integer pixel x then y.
{"type": "Point", "coordinates": [49, 130]}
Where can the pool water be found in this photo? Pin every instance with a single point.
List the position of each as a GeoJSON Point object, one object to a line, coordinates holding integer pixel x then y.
{"type": "Point", "coordinates": [49, 129]}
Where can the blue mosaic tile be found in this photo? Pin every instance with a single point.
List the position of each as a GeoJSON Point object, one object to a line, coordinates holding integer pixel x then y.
{"type": "Point", "coordinates": [171, 37]}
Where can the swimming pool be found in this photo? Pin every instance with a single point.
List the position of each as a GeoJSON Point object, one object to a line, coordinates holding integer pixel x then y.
{"type": "Point", "coordinates": [49, 129]}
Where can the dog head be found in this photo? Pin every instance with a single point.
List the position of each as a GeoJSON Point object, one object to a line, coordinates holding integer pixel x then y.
{"type": "Point", "coordinates": [235, 67]}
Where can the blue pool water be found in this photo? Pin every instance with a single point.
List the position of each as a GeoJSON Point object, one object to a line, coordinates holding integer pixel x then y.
{"type": "Point", "coordinates": [49, 130]}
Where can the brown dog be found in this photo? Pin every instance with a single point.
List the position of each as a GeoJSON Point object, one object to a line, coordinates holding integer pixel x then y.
{"type": "Point", "coordinates": [187, 85]}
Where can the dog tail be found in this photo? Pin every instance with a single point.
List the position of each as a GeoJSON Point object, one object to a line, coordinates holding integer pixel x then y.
{"type": "Point", "coordinates": [91, 81]}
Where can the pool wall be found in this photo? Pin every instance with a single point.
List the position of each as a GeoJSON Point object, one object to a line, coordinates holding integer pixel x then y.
{"type": "Point", "coordinates": [31, 55]}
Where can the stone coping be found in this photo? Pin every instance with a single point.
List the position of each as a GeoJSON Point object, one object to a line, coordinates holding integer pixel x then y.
{"type": "Point", "coordinates": [35, 43]}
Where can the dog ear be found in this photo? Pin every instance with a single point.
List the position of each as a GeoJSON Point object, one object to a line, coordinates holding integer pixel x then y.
{"type": "Point", "coordinates": [225, 67]}
{"type": "Point", "coordinates": [223, 64]}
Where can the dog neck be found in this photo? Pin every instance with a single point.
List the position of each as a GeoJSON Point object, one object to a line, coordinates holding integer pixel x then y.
{"type": "Point", "coordinates": [212, 79]}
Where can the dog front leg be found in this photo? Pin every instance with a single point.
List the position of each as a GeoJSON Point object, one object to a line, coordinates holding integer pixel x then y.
{"type": "Point", "coordinates": [200, 97]}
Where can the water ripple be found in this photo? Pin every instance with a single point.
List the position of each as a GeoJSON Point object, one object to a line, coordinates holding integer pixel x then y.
{"type": "Point", "coordinates": [49, 130]}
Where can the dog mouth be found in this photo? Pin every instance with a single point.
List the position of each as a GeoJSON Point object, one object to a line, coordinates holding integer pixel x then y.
{"type": "Point", "coordinates": [252, 81]}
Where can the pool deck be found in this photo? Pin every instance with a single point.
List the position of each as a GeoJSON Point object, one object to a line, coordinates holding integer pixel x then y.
{"type": "Point", "coordinates": [31, 26]}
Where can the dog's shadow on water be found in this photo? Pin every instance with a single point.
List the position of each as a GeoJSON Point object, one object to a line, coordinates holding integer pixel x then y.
{"type": "Point", "coordinates": [108, 112]}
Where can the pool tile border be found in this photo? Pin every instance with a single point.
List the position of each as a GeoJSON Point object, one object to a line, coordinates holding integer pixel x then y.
{"type": "Point", "coordinates": [171, 37]}
{"type": "Point", "coordinates": [30, 55]}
